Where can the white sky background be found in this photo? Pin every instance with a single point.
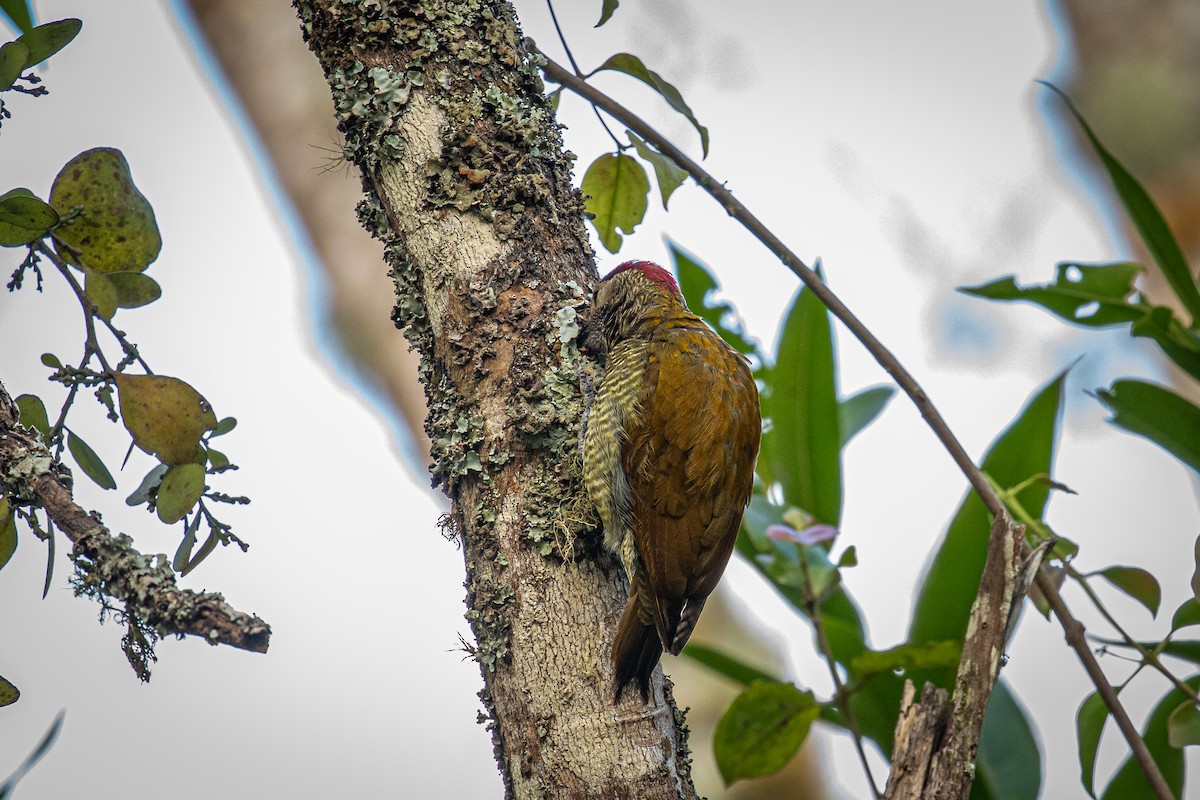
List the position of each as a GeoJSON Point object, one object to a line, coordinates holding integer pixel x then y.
{"type": "Point", "coordinates": [907, 148]}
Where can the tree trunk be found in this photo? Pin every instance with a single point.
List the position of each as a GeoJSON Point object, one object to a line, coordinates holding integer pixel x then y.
{"type": "Point", "coordinates": [469, 189]}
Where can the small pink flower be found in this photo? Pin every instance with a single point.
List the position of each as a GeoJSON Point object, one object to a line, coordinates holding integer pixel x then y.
{"type": "Point", "coordinates": [813, 534]}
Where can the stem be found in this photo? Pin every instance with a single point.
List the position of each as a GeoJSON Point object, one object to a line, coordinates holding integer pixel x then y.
{"type": "Point", "coordinates": [1074, 631]}
{"type": "Point", "coordinates": [1148, 657]}
{"type": "Point", "coordinates": [841, 698]}
{"type": "Point", "coordinates": [571, 58]}
{"type": "Point", "coordinates": [129, 348]}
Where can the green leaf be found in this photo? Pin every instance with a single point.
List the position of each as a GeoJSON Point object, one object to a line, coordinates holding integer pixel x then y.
{"type": "Point", "coordinates": [1183, 726]}
{"type": "Point", "coordinates": [908, 656]}
{"type": "Point", "coordinates": [223, 427]}
{"type": "Point", "coordinates": [762, 729]}
{"type": "Point", "coordinates": [32, 414]}
{"type": "Point", "coordinates": [184, 552]}
{"type": "Point", "coordinates": [802, 450]}
{"type": "Point", "coordinates": [607, 10]}
{"type": "Point", "coordinates": [1095, 296]}
{"type": "Point", "coordinates": [1130, 782]}
{"type": "Point", "coordinates": [1146, 218]}
{"type": "Point", "coordinates": [46, 40]}
{"type": "Point", "coordinates": [9, 693]}
{"type": "Point", "coordinates": [944, 599]}
{"type": "Point", "coordinates": [1089, 725]}
{"type": "Point", "coordinates": [1137, 583]}
{"type": "Point", "coordinates": [615, 187]}
{"type": "Point", "coordinates": [632, 65]}
{"type": "Point", "coordinates": [179, 491]}
{"type": "Point", "coordinates": [669, 174]}
{"type": "Point", "coordinates": [8, 532]}
{"type": "Point", "coordinates": [13, 56]}
{"type": "Point", "coordinates": [101, 292]}
{"type": "Point", "coordinates": [1008, 764]}
{"type": "Point", "coordinates": [89, 462]}
{"type": "Point", "coordinates": [43, 747]}
{"type": "Point", "coordinates": [209, 545]}
{"type": "Point", "coordinates": [149, 483]}
{"type": "Point", "coordinates": [18, 14]}
{"type": "Point", "coordinates": [216, 458]}
{"type": "Point", "coordinates": [1186, 615]}
{"type": "Point", "coordinates": [861, 409]}
{"type": "Point", "coordinates": [698, 286]}
{"type": "Point", "coordinates": [115, 230]}
{"type": "Point", "coordinates": [1195, 582]}
{"type": "Point", "coordinates": [1157, 414]}
{"type": "Point", "coordinates": [134, 289]}
{"type": "Point", "coordinates": [726, 664]}
{"type": "Point", "coordinates": [1181, 344]}
{"type": "Point", "coordinates": [51, 360]}
{"type": "Point", "coordinates": [24, 218]}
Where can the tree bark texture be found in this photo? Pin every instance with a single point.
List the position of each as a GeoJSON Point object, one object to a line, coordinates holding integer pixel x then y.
{"type": "Point", "coordinates": [936, 740]}
{"type": "Point", "coordinates": [468, 187]}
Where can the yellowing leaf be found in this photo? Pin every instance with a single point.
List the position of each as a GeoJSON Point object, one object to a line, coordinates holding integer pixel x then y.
{"type": "Point", "coordinates": [115, 230]}
{"type": "Point", "coordinates": [8, 693]}
{"type": "Point", "coordinates": [165, 416]}
{"type": "Point", "coordinates": [181, 487]}
{"type": "Point", "coordinates": [615, 187]}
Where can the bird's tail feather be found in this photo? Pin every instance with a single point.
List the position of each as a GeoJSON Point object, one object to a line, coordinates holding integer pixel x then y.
{"type": "Point", "coordinates": [635, 649]}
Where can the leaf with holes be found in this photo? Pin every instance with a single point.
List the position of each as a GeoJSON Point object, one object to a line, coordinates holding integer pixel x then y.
{"type": "Point", "coordinates": [1095, 296]}
{"type": "Point", "coordinates": [615, 187]}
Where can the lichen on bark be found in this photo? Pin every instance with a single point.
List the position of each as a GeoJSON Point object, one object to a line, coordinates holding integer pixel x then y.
{"type": "Point", "coordinates": [468, 186]}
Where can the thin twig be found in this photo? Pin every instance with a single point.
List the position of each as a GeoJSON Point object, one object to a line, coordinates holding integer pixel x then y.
{"type": "Point", "coordinates": [118, 334]}
{"type": "Point", "coordinates": [840, 698]}
{"type": "Point", "coordinates": [991, 500]}
{"type": "Point", "coordinates": [1148, 657]}
{"type": "Point", "coordinates": [571, 58]}
{"type": "Point", "coordinates": [1074, 631]}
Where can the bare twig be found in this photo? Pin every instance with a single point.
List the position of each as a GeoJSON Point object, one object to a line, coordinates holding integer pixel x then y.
{"type": "Point", "coordinates": [108, 564]}
{"type": "Point", "coordinates": [1005, 529]}
{"type": "Point", "coordinates": [841, 697]}
{"type": "Point", "coordinates": [1074, 631]}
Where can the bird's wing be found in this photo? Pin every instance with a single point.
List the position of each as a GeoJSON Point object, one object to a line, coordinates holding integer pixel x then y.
{"type": "Point", "coordinates": [689, 461]}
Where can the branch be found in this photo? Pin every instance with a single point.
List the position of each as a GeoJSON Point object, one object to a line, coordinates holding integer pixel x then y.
{"type": "Point", "coordinates": [108, 565]}
{"type": "Point", "coordinates": [1074, 631]}
{"type": "Point", "coordinates": [1005, 536]}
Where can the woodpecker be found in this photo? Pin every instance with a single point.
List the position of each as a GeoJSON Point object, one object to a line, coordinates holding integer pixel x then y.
{"type": "Point", "coordinates": [668, 458]}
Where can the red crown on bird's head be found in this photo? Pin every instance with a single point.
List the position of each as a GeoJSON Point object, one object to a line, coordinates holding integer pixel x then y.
{"type": "Point", "coordinates": [651, 271]}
